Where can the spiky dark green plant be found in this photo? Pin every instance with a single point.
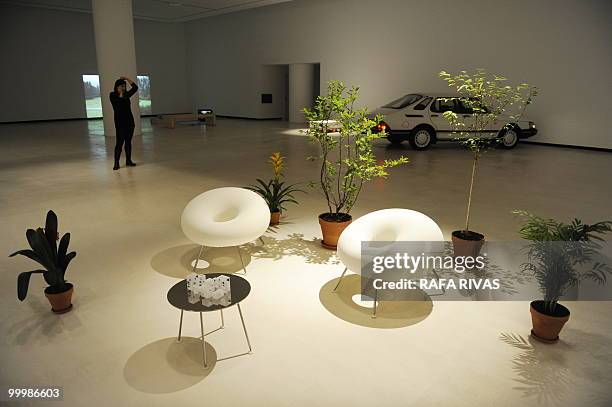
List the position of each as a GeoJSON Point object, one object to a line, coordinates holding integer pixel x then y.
{"type": "Point", "coordinates": [275, 193]}
{"type": "Point", "coordinates": [557, 252]}
{"type": "Point", "coordinates": [45, 251]}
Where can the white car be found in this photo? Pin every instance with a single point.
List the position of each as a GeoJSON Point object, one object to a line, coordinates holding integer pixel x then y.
{"type": "Point", "coordinates": [418, 118]}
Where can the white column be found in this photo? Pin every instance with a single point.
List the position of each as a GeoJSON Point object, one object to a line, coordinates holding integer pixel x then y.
{"type": "Point", "coordinates": [116, 54]}
{"type": "Point", "coordinates": [301, 90]}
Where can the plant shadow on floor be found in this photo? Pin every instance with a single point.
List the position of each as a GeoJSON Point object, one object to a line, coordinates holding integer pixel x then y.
{"type": "Point", "coordinates": [550, 373]}
{"type": "Point", "coordinates": [293, 245]}
{"type": "Point", "coordinates": [540, 373]}
{"type": "Point", "coordinates": [274, 229]}
{"type": "Point", "coordinates": [43, 325]}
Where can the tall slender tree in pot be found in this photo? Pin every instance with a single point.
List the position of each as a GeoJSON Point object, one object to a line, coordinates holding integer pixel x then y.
{"type": "Point", "coordinates": [485, 102]}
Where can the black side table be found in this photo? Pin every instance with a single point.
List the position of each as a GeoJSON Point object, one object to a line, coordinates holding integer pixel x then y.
{"type": "Point", "coordinates": [240, 289]}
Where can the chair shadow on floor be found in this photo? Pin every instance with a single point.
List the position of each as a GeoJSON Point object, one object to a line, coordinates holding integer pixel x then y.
{"type": "Point", "coordinates": [293, 245]}
{"type": "Point", "coordinates": [389, 314]}
{"type": "Point", "coordinates": [168, 366]}
{"type": "Point", "coordinates": [177, 261]}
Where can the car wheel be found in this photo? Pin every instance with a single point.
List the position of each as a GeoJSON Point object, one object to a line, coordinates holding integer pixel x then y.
{"type": "Point", "coordinates": [509, 137]}
{"type": "Point", "coordinates": [421, 138]}
{"type": "Point", "coordinates": [394, 138]}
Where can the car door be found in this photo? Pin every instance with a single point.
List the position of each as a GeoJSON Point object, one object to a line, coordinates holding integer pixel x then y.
{"type": "Point", "coordinates": [436, 114]}
{"type": "Point", "coordinates": [444, 129]}
{"type": "Point", "coordinates": [395, 112]}
{"type": "Point", "coordinates": [465, 112]}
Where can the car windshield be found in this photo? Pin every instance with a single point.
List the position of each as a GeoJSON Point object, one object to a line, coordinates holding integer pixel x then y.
{"type": "Point", "coordinates": [403, 101]}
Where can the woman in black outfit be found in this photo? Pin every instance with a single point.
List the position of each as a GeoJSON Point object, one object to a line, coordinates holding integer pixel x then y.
{"type": "Point", "coordinates": [124, 121]}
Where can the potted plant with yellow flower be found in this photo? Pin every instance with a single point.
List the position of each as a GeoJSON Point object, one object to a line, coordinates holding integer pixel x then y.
{"type": "Point", "coordinates": [274, 191]}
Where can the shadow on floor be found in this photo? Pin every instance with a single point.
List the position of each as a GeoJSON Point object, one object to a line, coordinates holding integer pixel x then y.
{"type": "Point", "coordinates": [540, 369]}
{"type": "Point", "coordinates": [43, 324]}
{"type": "Point", "coordinates": [552, 374]}
{"type": "Point", "coordinates": [294, 245]}
{"type": "Point", "coordinates": [177, 261]}
{"type": "Point", "coordinates": [168, 366]}
{"type": "Point", "coordinates": [274, 229]}
{"type": "Point", "coordinates": [390, 314]}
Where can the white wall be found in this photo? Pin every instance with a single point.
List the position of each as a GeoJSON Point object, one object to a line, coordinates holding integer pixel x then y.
{"type": "Point", "coordinates": [45, 52]}
{"type": "Point", "coordinates": [274, 80]}
{"type": "Point", "coordinates": [224, 66]}
{"type": "Point", "coordinates": [391, 47]}
{"type": "Point", "coordinates": [161, 53]}
{"type": "Point", "coordinates": [301, 90]}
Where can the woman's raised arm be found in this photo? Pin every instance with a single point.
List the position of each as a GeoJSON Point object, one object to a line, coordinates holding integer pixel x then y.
{"type": "Point", "coordinates": [133, 86]}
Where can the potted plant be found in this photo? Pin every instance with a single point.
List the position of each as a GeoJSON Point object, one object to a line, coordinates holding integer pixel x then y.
{"type": "Point", "coordinates": [344, 135]}
{"type": "Point", "coordinates": [559, 257]}
{"type": "Point", "coordinates": [275, 192]}
{"type": "Point", "coordinates": [481, 102]}
{"type": "Point", "coordinates": [54, 258]}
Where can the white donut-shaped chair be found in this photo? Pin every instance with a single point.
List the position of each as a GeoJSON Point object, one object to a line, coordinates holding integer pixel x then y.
{"type": "Point", "coordinates": [385, 225]}
{"type": "Point", "coordinates": [225, 217]}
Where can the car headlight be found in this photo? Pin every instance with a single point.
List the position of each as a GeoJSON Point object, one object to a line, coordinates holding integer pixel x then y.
{"type": "Point", "coordinates": [531, 125]}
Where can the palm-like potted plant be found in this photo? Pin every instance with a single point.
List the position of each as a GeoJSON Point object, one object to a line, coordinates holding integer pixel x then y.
{"type": "Point", "coordinates": [484, 101]}
{"type": "Point", "coordinates": [560, 256]}
{"type": "Point", "coordinates": [344, 135]}
{"type": "Point", "coordinates": [54, 258]}
{"type": "Point", "coordinates": [275, 192]}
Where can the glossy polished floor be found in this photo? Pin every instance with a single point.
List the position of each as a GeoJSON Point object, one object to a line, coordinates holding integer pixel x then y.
{"type": "Point", "coordinates": [117, 347]}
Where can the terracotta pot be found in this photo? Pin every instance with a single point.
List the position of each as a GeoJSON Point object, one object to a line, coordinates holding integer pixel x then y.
{"type": "Point", "coordinates": [332, 228]}
{"type": "Point", "coordinates": [546, 327]}
{"type": "Point", "coordinates": [274, 218]}
{"type": "Point", "coordinates": [467, 243]}
{"type": "Point", "coordinates": [60, 302]}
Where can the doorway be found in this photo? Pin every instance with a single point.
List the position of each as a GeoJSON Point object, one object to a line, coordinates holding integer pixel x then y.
{"type": "Point", "coordinates": [292, 88]}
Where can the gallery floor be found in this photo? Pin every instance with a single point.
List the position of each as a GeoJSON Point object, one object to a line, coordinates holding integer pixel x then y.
{"type": "Point", "coordinates": [311, 348]}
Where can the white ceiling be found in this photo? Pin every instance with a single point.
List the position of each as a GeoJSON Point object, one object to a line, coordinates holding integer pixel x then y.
{"type": "Point", "coordinates": [158, 10]}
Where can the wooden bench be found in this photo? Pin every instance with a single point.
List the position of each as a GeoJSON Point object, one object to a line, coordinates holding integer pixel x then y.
{"type": "Point", "coordinates": [170, 120]}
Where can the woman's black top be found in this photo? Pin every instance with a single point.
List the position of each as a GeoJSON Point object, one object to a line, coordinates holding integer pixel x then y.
{"type": "Point", "coordinates": [122, 109]}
